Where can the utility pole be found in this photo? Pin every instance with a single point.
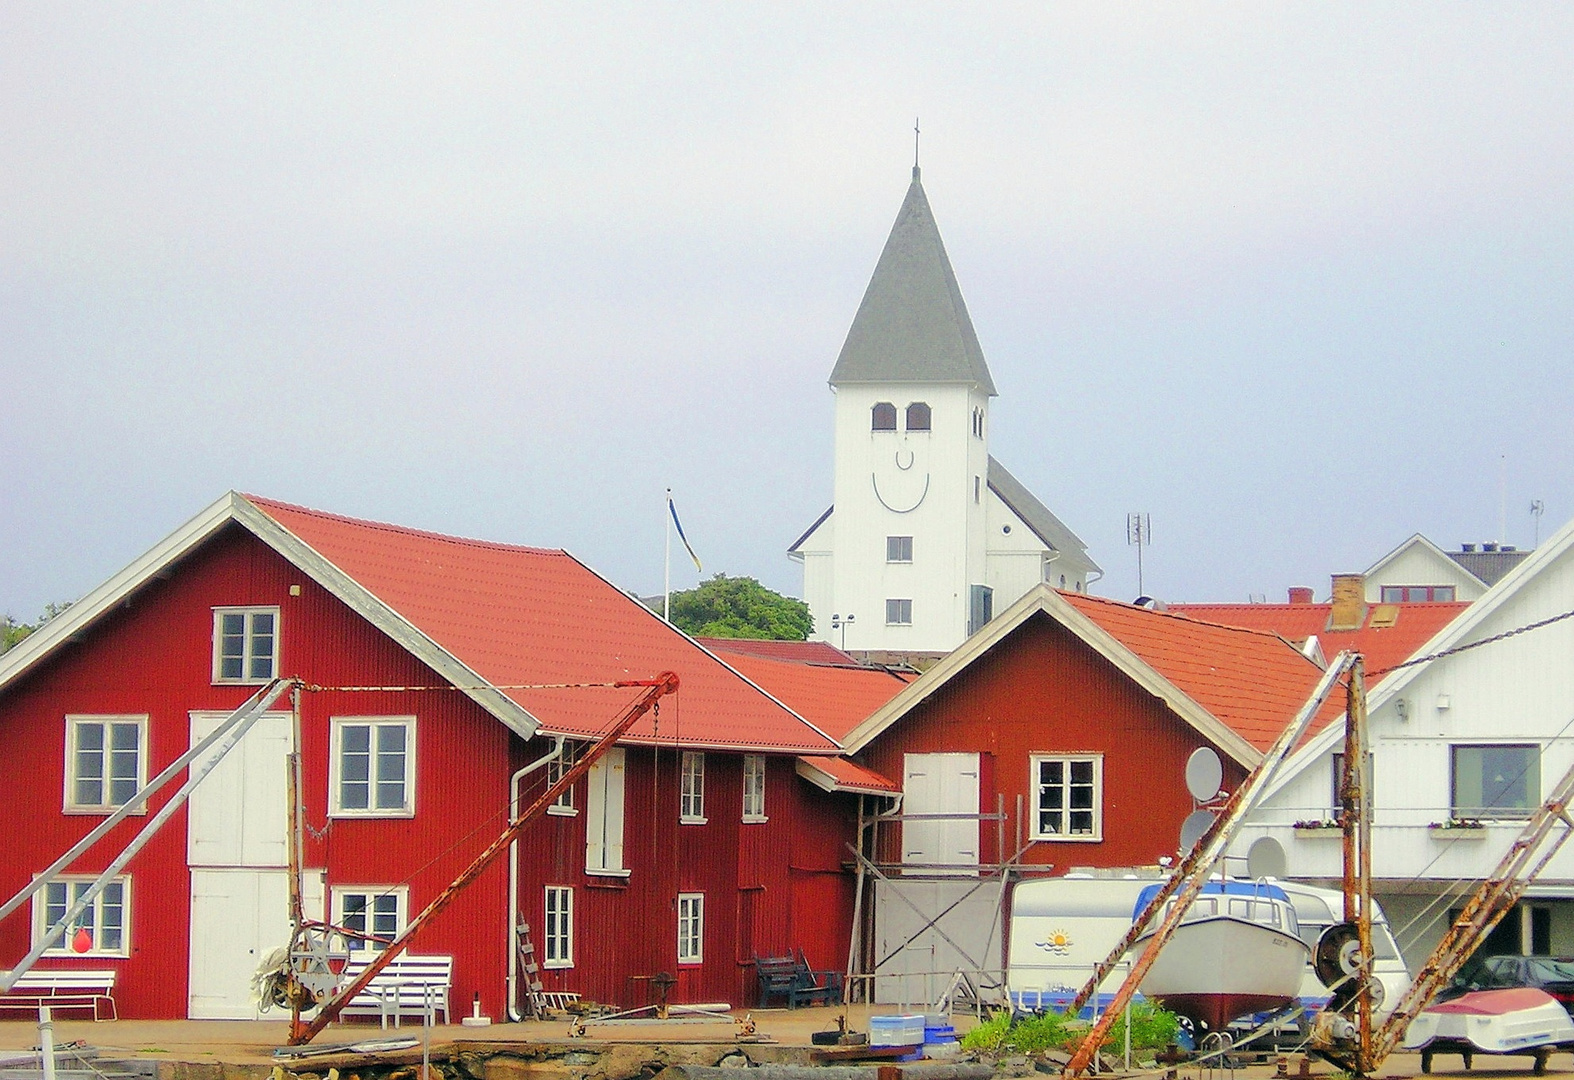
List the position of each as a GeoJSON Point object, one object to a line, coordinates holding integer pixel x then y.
{"type": "Point", "coordinates": [1139, 531]}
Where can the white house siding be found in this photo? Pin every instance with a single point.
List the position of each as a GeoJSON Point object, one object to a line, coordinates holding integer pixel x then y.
{"type": "Point", "coordinates": [1420, 564]}
{"type": "Point", "coordinates": [1519, 690]}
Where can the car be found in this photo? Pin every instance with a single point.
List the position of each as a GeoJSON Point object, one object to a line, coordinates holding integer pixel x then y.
{"type": "Point", "coordinates": [1554, 974]}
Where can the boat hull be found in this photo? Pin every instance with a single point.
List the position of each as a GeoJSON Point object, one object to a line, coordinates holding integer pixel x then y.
{"type": "Point", "coordinates": [1494, 1022]}
{"type": "Point", "coordinates": [1214, 970]}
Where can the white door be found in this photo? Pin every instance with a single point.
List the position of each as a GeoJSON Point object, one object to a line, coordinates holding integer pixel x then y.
{"type": "Point", "coordinates": [237, 846]}
{"type": "Point", "coordinates": [940, 784]}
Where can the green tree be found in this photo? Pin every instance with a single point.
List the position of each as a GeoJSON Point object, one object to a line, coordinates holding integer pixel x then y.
{"type": "Point", "coordinates": [12, 632]}
{"type": "Point", "coordinates": [740, 607]}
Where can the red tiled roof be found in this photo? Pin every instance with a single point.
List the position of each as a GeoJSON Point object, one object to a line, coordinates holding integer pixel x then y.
{"type": "Point", "coordinates": [1252, 681]}
{"type": "Point", "coordinates": [1383, 646]}
{"type": "Point", "coordinates": [844, 774]}
{"type": "Point", "coordinates": [532, 615]}
{"type": "Point", "coordinates": [802, 652]}
{"type": "Point", "coordinates": [833, 699]}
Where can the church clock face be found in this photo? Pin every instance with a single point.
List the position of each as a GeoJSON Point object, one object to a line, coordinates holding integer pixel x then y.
{"type": "Point", "coordinates": [901, 471]}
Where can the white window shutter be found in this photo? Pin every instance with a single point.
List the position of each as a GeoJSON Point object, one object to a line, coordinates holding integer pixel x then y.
{"type": "Point", "coordinates": [614, 814]}
{"type": "Point", "coordinates": [596, 816]}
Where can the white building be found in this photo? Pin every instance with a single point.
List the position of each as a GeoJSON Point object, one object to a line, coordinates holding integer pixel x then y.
{"type": "Point", "coordinates": [930, 535]}
{"type": "Point", "coordinates": [1464, 747]}
{"type": "Point", "coordinates": [1418, 570]}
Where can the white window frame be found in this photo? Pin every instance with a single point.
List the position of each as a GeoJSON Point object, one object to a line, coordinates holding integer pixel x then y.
{"type": "Point", "coordinates": [604, 815]}
{"type": "Point", "coordinates": [399, 893]}
{"type": "Point", "coordinates": [336, 808]}
{"type": "Point", "coordinates": [893, 615]}
{"type": "Point", "coordinates": [894, 546]}
{"type": "Point", "coordinates": [691, 928]}
{"type": "Point", "coordinates": [1037, 789]}
{"type": "Point", "coordinates": [691, 789]}
{"type": "Point", "coordinates": [247, 656]}
{"type": "Point", "coordinates": [563, 805]}
{"type": "Point", "coordinates": [754, 769]}
{"type": "Point", "coordinates": [94, 914]}
{"type": "Point", "coordinates": [557, 926]}
{"type": "Point", "coordinates": [106, 803]}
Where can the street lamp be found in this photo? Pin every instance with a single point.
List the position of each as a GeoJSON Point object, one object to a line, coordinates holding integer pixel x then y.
{"type": "Point", "coordinates": [839, 623]}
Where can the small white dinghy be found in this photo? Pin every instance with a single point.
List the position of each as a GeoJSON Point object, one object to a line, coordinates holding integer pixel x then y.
{"type": "Point", "coordinates": [1236, 952]}
{"type": "Point", "coordinates": [1519, 1020]}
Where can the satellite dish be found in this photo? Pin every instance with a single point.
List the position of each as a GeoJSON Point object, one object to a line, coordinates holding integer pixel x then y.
{"type": "Point", "coordinates": [1197, 822]}
{"type": "Point", "coordinates": [1204, 774]}
{"type": "Point", "coordinates": [1265, 858]}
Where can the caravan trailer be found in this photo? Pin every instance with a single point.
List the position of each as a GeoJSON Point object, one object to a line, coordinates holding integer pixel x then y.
{"type": "Point", "coordinates": [1062, 927]}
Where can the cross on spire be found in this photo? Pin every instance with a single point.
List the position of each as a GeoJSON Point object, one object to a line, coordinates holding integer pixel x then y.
{"type": "Point", "coordinates": [915, 148]}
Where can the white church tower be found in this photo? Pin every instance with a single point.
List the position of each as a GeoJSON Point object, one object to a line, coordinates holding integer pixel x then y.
{"type": "Point", "coordinates": [928, 535]}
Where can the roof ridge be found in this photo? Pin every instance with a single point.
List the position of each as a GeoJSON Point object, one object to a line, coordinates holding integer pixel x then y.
{"type": "Point", "coordinates": [1182, 616]}
{"type": "Point", "coordinates": [263, 503]}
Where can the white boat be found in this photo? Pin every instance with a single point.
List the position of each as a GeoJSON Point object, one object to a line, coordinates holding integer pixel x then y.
{"type": "Point", "coordinates": [1236, 952]}
{"type": "Point", "coordinates": [1520, 1020]}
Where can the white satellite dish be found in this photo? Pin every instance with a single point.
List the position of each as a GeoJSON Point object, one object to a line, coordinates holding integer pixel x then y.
{"type": "Point", "coordinates": [1204, 774]}
{"type": "Point", "coordinates": [1265, 858]}
{"type": "Point", "coordinates": [1197, 822]}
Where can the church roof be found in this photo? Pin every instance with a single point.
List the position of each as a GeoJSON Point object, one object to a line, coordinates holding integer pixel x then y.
{"type": "Point", "coordinates": [1045, 525]}
{"type": "Point", "coordinates": [912, 325]}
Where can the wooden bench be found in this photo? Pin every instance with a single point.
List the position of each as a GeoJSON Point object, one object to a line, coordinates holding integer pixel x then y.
{"type": "Point", "coordinates": [409, 986]}
{"type": "Point", "coordinates": [791, 979]}
{"type": "Point", "coordinates": [60, 989]}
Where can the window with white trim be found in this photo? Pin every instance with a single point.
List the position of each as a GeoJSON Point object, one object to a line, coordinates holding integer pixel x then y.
{"type": "Point", "coordinates": [557, 768]}
{"type": "Point", "coordinates": [103, 927]}
{"type": "Point", "coordinates": [1068, 796]}
{"type": "Point", "coordinates": [106, 762]}
{"type": "Point", "coordinates": [691, 804]}
{"type": "Point", "coordinates": [753, 787]}
{"type": "Point", "coordinates": [558, 940]}
{"type": "Point", "coordinates": [245, 644]}
{"type": "Point", "coordinates": [899, 613]}
{"type": "Point", "coordinates": [371, 772]}
{"type": "Point", "coordinates": [374, 915]}
{"type": "Point", "coordinates": [898, 549]}
{"type": "Point", "coordinates": [691, 928]}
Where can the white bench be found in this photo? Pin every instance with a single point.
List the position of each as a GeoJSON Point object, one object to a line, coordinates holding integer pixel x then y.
{"type": "Point", "coordinates": [60, 989]}
{"type": "Point", "coordinates": [408, 986]}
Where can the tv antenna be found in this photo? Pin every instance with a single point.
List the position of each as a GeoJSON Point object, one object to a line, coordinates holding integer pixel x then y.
{"type": "Point", "coordinates": [1537, 508]}
{"type": "Point", "coordinates": [1139, 531]}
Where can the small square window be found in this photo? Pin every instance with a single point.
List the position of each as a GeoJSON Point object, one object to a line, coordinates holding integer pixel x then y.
{"type": "Point", "coordinates": [372, 770]}
{"type": "Point", "coordinates": [558, 926]}
{"type": "Point", "coordinates": [1393, 594]}
{"type": "Point", "coordinates": [557, 768]}
{"type": "Point", "coordinates": [753, 787]}
{"type": "Point", "coordinates": [373, 916]}
{"type": "Point", "coordinates": [1496, 781]}
{"type": "Point", "coordinates": [899, 549]}
{"type": "Point", "coordinates": [245, 644]}
{"type": "Point", "coordinates": [106, 762]}
{"type": "Point", "coordinates": [1068, 797]}
{"type": "Point", "coordinates": [691, 808]}
{"type": "Point", "coordinates": [899, 613]}
{"type": "Point", "coordinates": [691, 928]}
{"type": "Point", "coordinates": [102, 929]}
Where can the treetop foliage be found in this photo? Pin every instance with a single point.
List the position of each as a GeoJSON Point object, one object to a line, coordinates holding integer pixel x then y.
{"type": "Point", "coordinates": [740, 607]}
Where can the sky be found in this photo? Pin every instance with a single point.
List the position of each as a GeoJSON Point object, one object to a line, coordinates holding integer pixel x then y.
{"type": "Point", "coordinates": [1297, 281]}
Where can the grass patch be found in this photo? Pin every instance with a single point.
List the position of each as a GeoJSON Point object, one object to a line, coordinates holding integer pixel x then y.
{"type": "Point", "coordinates": [1152, 1028]}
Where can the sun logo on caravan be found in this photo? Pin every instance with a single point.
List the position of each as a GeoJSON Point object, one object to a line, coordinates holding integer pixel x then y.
{"type": "Point", "coordinates": [1058, 942]}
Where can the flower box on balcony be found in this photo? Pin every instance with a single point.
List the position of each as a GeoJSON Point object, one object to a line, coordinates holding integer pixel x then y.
{"type": "Point", "coordinates": [1315, 827]}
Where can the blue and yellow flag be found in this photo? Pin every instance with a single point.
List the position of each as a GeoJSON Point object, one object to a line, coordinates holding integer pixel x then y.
{"type": "Point", "coordinates": [673, 510]}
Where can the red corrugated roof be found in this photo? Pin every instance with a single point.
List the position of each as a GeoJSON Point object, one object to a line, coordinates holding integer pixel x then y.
{"type": "Point", "coordinates": [845, 774]}
{"type": "Point", "coordinates": [533, 615]}
{"type": "Point", "coordinates": [1254, 682]}
{"type": "Point", "coordinates": [1383, 646]}
{"type": "Point", "coordinates": [802, 652]}
{"type": "Point", "coordinates": [834, 699]}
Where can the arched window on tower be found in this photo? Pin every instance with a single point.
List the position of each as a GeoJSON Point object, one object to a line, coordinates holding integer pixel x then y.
{"type": "Point", "coordinates": [883, 417]}
{"type": "Point", "coordinates": [918, 416]}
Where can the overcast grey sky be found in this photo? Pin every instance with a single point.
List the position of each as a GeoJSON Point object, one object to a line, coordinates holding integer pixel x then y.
{"type": "Point", "coordinates": [1293, 279]}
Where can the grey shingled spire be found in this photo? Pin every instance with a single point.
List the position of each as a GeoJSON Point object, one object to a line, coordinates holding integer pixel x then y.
{"type": "Point", "coordinates": [912, 325]}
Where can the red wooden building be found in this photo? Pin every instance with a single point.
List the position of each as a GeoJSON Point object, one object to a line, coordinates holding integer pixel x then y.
{"type": "Point", "coordinates": [689, 849]}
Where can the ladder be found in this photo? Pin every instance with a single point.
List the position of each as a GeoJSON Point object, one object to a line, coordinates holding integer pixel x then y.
{"type": "Point", "coordinates": [535, 1001]}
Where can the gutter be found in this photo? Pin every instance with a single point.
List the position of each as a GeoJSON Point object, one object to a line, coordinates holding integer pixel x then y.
{"type": "Point", "coordinates": [553, 754]}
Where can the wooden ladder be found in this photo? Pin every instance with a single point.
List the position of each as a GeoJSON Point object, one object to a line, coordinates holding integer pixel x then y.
{"type": "Point", "coordinates": [535, 1002]}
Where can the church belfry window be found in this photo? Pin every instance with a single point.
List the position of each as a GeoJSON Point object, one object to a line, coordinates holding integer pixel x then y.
{"type": "Point", "coordinates": [918, 416]}
{"type": "Point", "coordinates": [882, 417]}
{"type": "Point", "coordinates": [978, 423]}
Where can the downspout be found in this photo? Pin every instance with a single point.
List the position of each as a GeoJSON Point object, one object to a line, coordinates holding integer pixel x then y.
{"type": "Point", "coordinates": [513, 874]}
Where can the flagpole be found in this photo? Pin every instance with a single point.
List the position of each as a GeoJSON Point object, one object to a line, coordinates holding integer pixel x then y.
{"type": "Point", "coordinates": [666, 560]}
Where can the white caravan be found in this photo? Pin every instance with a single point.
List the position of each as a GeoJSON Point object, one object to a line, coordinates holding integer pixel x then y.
{"type": "Point", "coordinates": [1062, 927]}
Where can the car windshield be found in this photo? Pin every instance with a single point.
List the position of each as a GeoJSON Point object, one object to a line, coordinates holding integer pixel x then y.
{"type": "Point", "coordinates": [1543, 970]}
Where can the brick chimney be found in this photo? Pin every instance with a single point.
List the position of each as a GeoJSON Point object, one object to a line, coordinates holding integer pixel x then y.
{"type": "Point", "coordinates": [1300, 594]}
{"type": "Point", "coordinates": [1349, 602]}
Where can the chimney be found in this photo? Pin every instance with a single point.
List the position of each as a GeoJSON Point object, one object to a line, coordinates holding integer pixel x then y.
{"type": "Point", "coordinates": [1300, 594]}
{"type": "Point", "coordinates": [1349, 602]}
{"type": "Point", "coordinates": [1490, 545]}
{"type": "Point", "coordinates": [1467, 549]}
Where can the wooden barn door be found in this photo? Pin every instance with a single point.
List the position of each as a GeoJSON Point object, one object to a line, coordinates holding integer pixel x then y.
{"type": "Point", "coordinates": [237, 852]}
{"type": "Point", "coordinates": [940, 784]}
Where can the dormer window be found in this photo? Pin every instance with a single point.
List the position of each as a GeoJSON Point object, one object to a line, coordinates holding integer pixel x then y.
{"type": "Point", "coordinates": [918, 416]}
{"type": "Point", "coordinates": [883, 417]}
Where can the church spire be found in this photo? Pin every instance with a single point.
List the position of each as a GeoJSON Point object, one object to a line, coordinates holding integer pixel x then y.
{"type": "Point", "coordinates": [912, 325]}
